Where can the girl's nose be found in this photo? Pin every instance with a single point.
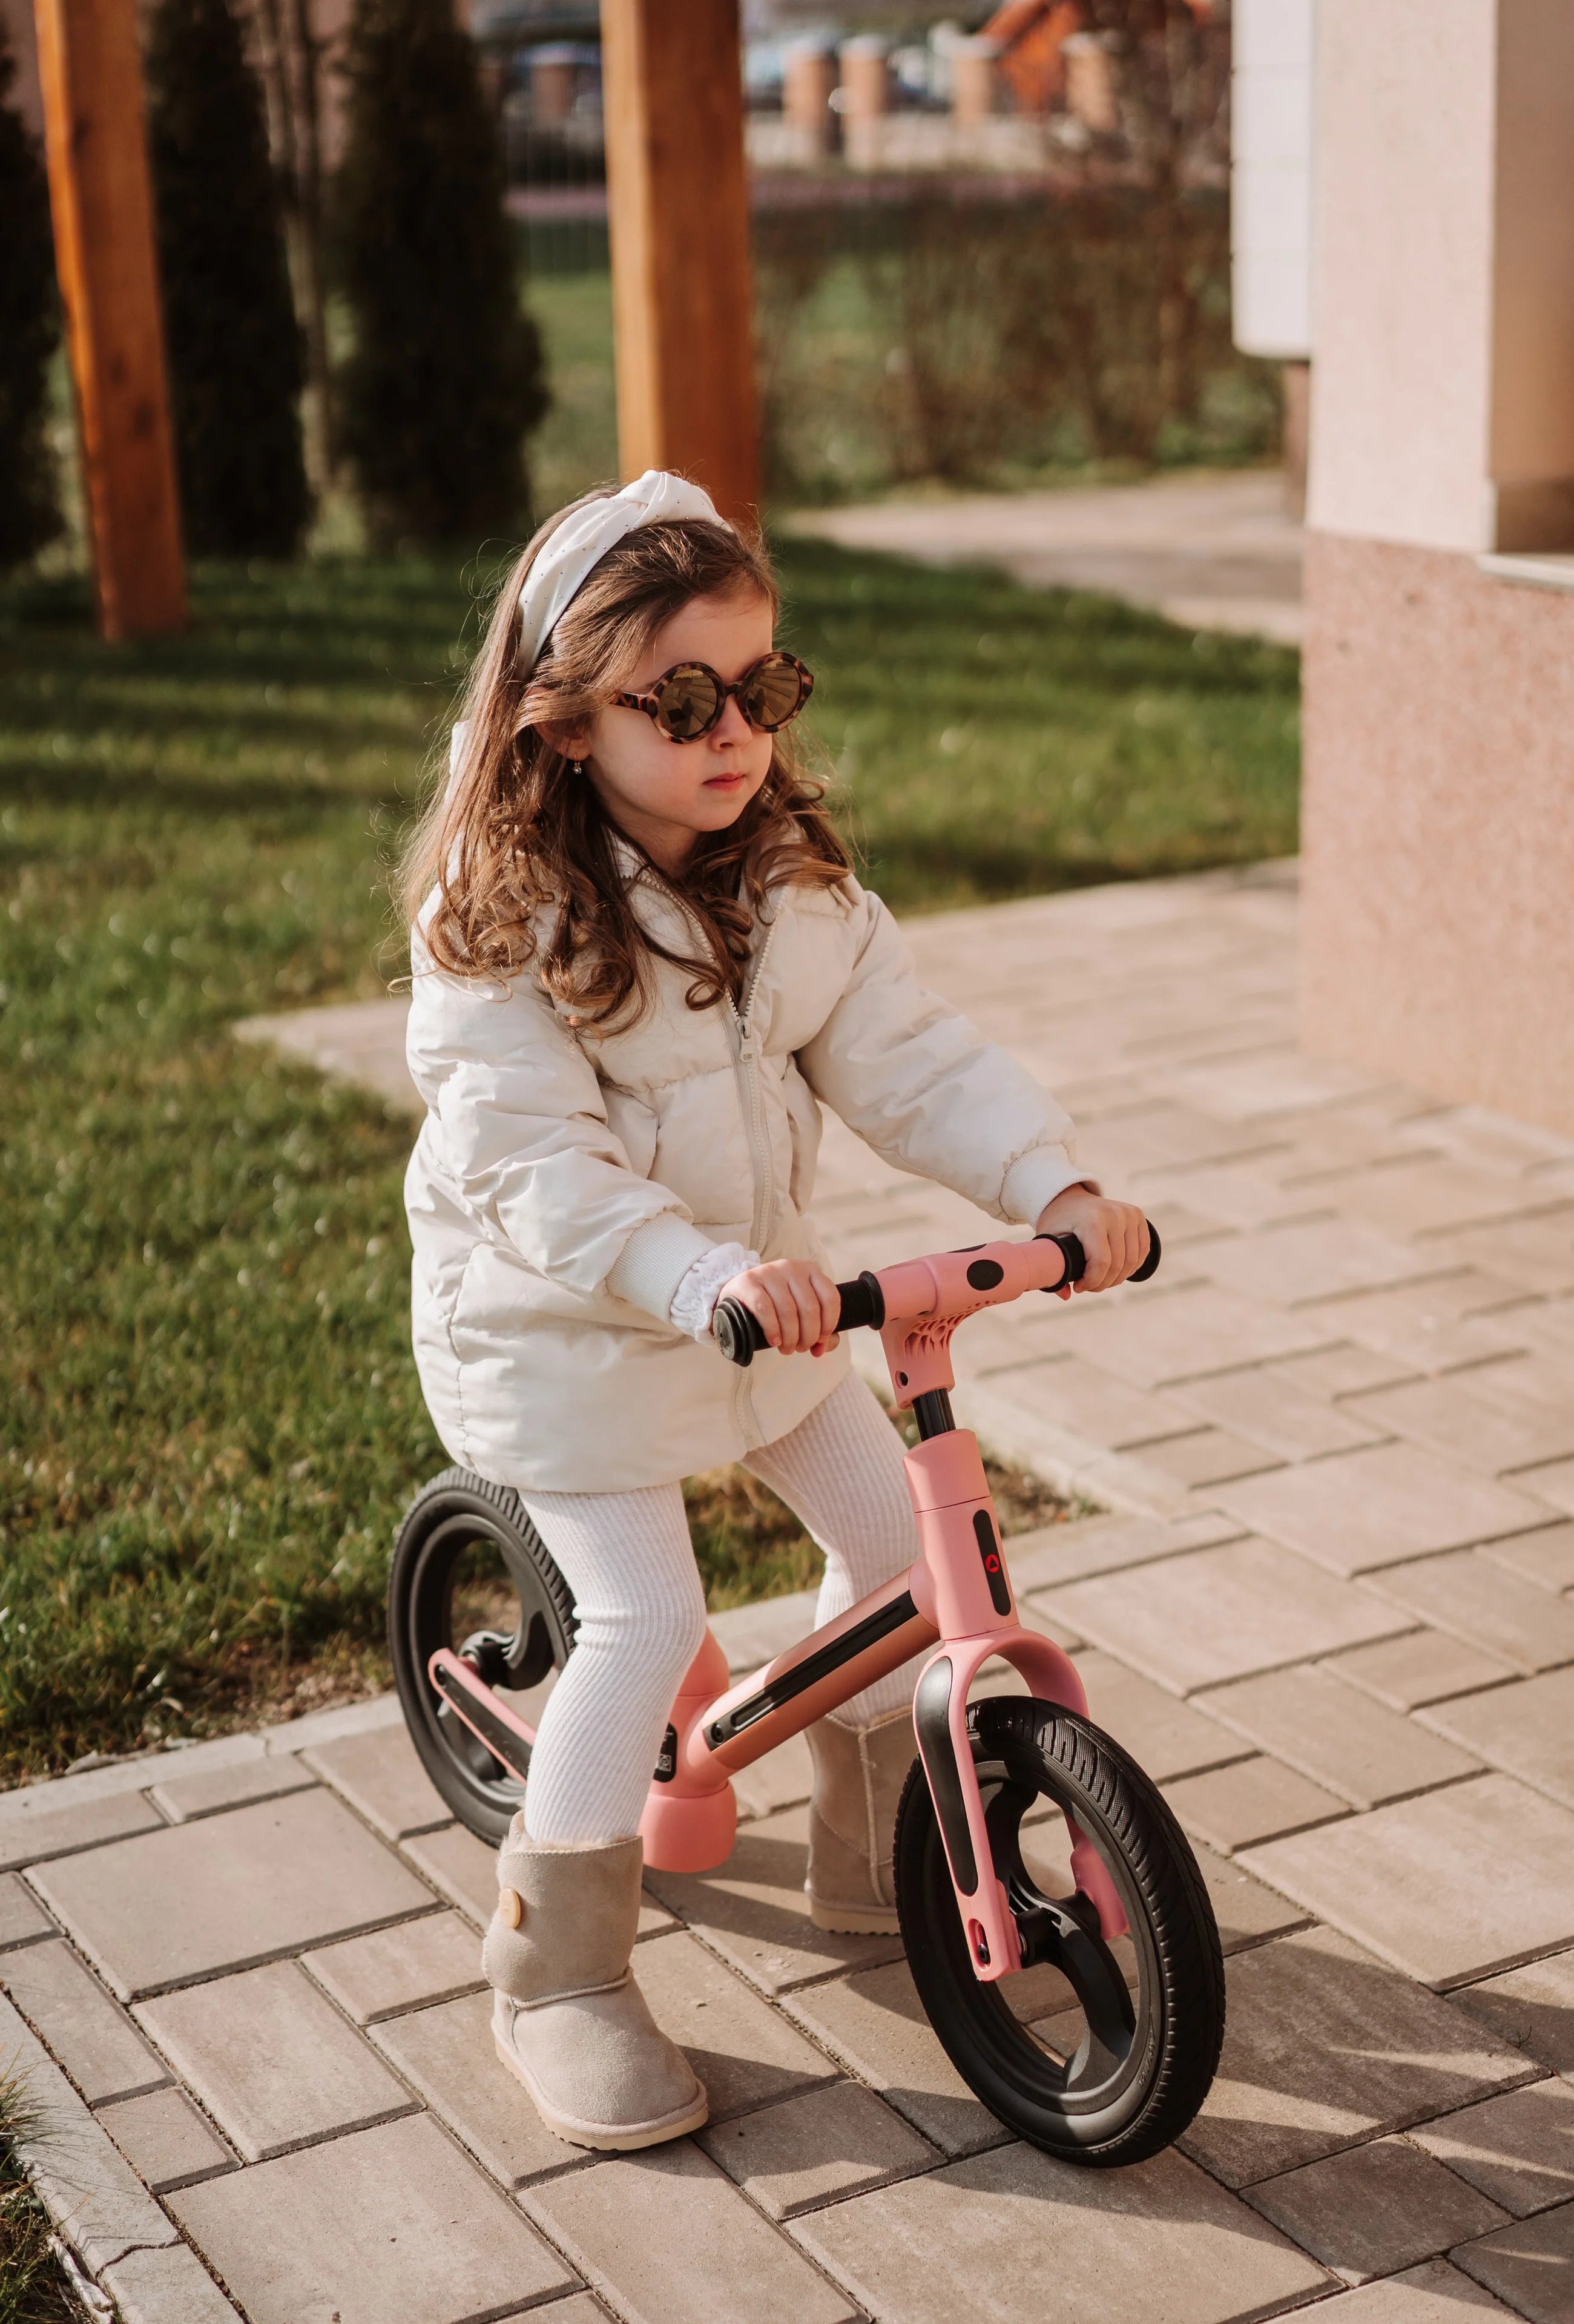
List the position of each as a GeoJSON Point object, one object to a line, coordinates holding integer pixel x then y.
{"type": "Point", "coordinates": [731, 727]}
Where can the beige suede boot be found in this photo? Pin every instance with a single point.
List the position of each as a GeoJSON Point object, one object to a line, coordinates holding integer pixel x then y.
{"type": "Point", "coordinates": [859, 1773]}
{"type": "Point", "coordinates": [569, 2020]}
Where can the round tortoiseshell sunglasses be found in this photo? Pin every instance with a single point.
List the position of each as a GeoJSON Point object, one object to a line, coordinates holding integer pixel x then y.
{"type": "Point", "coordinates": [687, 700]}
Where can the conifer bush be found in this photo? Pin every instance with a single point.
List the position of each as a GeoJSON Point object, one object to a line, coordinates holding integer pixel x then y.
{"type": "Point", "coordinates": [234, 345]}
{"type": "Point", "coordinates": [447, 377]}
{"type": "Point", "coordinates": [30, 330]}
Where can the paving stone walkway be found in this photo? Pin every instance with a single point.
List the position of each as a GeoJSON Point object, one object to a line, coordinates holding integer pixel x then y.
{"type": "Point", "coordinates": [1213, 549]}
{"type": "Point", "coordinates": [1329, 1606]}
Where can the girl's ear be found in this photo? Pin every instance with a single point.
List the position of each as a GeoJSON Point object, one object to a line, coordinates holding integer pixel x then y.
{"type": "Point", "coordinates": [569, 742]}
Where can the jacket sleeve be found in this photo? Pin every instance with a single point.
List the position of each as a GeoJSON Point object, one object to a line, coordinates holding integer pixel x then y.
{"type": "Point", "coordinates": [523, 1130]}
{"type": "Point", "coordinates": [919, 1083]}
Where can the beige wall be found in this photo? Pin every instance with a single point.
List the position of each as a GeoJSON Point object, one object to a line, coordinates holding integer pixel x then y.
{"type": "Point", "coordinates": [16, 16]}
{"type": "Point", "coordinates": [1437, 838]}
{"type": "Point", "coordinates": [1439, 769]}
{"type": "Point", "coordinates": [1443, 272]}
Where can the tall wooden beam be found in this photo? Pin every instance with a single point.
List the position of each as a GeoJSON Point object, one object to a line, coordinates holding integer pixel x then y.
{"type": "Point", "coordinates": [90, 70]}
{"type": "Point", "coordinates": [678, 200]}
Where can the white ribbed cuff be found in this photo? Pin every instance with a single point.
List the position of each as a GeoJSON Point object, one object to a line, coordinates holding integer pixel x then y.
{"type": "Point", "coordinates": [1036, 1178]}
{"type": "Point", "coordinates": [654, 1262]}
{"type": "Point", "coordinates": [693, 1303]}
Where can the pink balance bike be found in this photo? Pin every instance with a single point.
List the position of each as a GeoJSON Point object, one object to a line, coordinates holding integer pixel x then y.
{"type": "Point", "coordinates": [1056, 1921]}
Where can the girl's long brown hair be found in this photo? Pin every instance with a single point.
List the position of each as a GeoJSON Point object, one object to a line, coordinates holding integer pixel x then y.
{"type": "Point", "coordinates": [520, 847]}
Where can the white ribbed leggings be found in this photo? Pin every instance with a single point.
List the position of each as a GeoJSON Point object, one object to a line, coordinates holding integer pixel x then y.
{"type": "Point", "coordinates": [631, 1564]}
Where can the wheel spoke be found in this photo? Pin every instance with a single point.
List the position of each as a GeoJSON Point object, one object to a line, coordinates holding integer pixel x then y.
{"type": "Point", "coordinates": [1064, 1933]}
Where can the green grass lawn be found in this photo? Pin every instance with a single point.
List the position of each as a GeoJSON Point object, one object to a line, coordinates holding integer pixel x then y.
{"type": "Point", "coordinates": [208, 1417]}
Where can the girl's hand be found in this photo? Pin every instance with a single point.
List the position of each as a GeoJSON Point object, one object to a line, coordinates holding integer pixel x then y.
{"type": "Point", "coordinates": [1114, 1236]}
{"type": "Point", "coordinates": [795, 1304]}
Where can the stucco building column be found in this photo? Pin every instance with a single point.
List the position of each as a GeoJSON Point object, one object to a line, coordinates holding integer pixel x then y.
{"type": "Point", "coordinates": [1438, 814]}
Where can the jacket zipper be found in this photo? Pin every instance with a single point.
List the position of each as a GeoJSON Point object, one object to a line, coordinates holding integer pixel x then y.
{"type": "Point", "coordinates": [761, 1168]}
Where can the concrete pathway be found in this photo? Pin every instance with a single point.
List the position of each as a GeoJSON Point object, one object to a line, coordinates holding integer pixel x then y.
{"type": "Point", "coordinates": [1331, 1610]}
{"type": "Point", "coordinates": [1213, 551]}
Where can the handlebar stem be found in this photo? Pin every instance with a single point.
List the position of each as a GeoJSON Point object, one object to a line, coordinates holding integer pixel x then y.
{"type": "Point", "coordinates": [926, 1298]}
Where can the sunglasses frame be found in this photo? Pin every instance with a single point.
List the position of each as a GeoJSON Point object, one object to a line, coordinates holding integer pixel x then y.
{"type": "Point", "coordinates": [650, 702]}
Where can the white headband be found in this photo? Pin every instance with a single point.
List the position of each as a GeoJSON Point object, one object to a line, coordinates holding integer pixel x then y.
{"type": "Point", "coordinates": [583, 539]}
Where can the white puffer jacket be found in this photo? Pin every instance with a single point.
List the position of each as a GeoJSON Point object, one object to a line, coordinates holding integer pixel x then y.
{"type": "Point", "coordinates": [566, 1180]}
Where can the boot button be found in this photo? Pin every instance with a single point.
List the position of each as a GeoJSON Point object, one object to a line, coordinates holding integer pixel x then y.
{"type": "Point", "coordinates": [510, 1906]}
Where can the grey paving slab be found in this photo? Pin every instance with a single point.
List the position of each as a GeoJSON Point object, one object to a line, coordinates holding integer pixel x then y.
{"type": "Point", "coordinates": [666, 2239]}
{"type": "Point", "coordinates": [1375, 2210]}
{"type": "Point", "coordinates": [1292, 1265]}
{"type": "Point", "coordinates": [744, 2052]}
{"type": "Point", "coordinates": [1213, 1456]}
{"type": "Point", "coordinates": [1536, 1253]}
{"type": "Point", "coordinates": [181, 1798]}
{"type": "Point", "coordinates": [228, 1891]}
{"type": "Point", "coordinates": [1406, 1880]}
{"type": "Point", "coordinates": [1324, 2046]}
{"type": "Point", "coordinates": [753, 1911]}
{"type": "Point", "coordinates": [1423, 1666]}
{"type": "Point", "coordinates": [1554, 1483]}
{"type": "Point", "coordinates": [1472, 1596]}
{"type": "Point", "coordinates": [1268, 1408]}
{"type": "Point", "coordinates": [1433, 1192]}
{"type": "Point", "coordinates": [92, 2193]}
{"type": "Point", "coordinates": [383, 1780]}
{"type": "Point", "coordinates": [1358, 1511]}
{"type": "Point", "coordinates": [1245, 1910]}
{"type": "Point", "coordinates": [1518, 2149]}
{"type": "Point", "coordinates": [447, 2054]}
{"type": "Point", "coordinates": [1055, 1555]}
{"type": "Point", "coordinates": [1166, 1736]}
{"type": "Point", "coordinates": [1012, 2234]}
{"type": "Point", "coordinates": [1433, 2294]}
{"type": "Point", "coordinates": [816, 2149]}
{"type": "Point", "coordinates": [435, 1958]}
{"type": "Point", "coordinates": [21, 1922]}
{"type": "Point", "coordinates": [1546, 1558]}
{"type": "Point", "coordinates": [166, 2287]}
{"type": "Point", "coordinates": [1343, 1740]}
{"type": "Point", "coordinates": [873, 2020]}
{"type": "Point", "coordinates": [92, 2038]}
{"type": "Point", "coordinates": [1532, 2007]}
{"type": "Point", "coordinates": [1185, 1335]}
{"type": "Point", "coordinates": [783, 1778]}
{"type": "Point", "coordinates": [33, 1827]}
{"type": "Point", "coordinates": [1222, 1613]}
{"type": "Point", "coordinates": [1250, 1800]}
{"type": "Point", "coordinates": [166, 2140]}
{"type": "Point", "coordinates": [1428, 1327]}
{"type": "Point", "coordinates": [391, 2225]}
{"type": "Point", "coordinates": [272, 2060]}
{"type": "Point", "coordinates": [1070, 1394]}
{"type": "Point", "coordinates": [1529, 2265]}
{"type": "Point", "coordinates": [1475, 1417]}
{"type": "Point", "coordinates": [1526, 1729]}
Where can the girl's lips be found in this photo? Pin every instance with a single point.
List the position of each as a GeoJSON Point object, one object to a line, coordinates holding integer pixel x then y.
{"type": "Point", "coordinates": [724, 782]}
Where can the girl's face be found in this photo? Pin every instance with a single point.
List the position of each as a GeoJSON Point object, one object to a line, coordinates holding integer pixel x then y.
{"type": "Point", "coordinates": [665, 793]}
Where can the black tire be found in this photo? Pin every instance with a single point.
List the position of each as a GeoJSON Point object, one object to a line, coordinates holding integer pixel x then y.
{"type": "Point", "coordinates": [1146, 2052]}
{"type": "Point", "coordinates": [466, 1546]}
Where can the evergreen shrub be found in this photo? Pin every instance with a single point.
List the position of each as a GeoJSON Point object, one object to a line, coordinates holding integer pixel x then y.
{"type": "Point", "coordinates": [447, 377]}
{"type": "Point", "coordinates": [29, 331]}
{"type": "Point", "coordinates": [234, 345]}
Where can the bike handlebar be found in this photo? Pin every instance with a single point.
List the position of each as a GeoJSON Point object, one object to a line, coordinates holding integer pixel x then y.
{"type": "Point", "coordinates": [740, 1334]}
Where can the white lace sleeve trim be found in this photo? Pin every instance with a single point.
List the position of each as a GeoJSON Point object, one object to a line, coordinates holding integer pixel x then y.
{"type": "Point", "coordinates": [694, 1300]}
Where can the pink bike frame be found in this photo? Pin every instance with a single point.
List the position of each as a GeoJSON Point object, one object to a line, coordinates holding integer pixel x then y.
{"type": "Point", "coordinates": [956, 1598]}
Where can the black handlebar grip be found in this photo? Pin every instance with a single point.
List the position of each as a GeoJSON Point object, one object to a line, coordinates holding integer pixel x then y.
{"type": "Point", "coordinates": [739, 1334]}
{"type": "Point", "coordinates": [1076, 1257]}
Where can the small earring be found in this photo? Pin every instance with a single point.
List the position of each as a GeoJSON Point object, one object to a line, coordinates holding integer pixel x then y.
{"type": "Point", "coordinates": [576, 766]}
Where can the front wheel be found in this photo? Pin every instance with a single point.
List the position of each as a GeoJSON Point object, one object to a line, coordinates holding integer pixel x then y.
{"type": "Point", "coordinates": [1098, 2053]}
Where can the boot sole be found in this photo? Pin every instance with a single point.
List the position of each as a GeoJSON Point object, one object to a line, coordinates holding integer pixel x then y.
{"type": "Point", "coordinates": [855, 1920]}
{"type": "Point", "coordinates": [608, 2138]}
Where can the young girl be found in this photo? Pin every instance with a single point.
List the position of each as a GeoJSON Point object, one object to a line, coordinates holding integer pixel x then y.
{"type": "Point", "coordinates": [641, 964]}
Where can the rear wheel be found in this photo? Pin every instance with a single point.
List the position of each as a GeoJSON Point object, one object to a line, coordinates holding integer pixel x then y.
{"type": "Point", "coordinates": [471, 1572]}
{"type": "Point", "coordinates": [1098, 2053]}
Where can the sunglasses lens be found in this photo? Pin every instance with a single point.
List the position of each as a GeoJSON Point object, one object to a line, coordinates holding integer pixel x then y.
{"type": "Point", "coordinates": [687, 704]}
{"type": "Point", "coordinates": [774, 695]}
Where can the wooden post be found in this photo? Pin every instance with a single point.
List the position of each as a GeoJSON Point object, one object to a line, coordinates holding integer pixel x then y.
{"type": "Point", "coordinates": [678, 199]}
{"type": "Point", "coordinates": [90, 70]}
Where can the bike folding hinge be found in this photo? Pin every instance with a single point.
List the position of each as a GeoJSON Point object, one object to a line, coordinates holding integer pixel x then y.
{"type": "Point", "coordinates": [939, 1707]}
